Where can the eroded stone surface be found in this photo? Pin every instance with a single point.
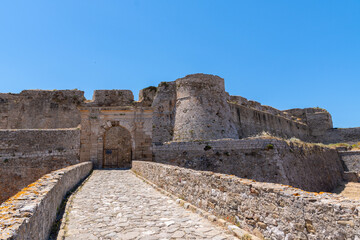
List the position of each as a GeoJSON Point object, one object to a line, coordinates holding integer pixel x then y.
{"type": "Point", "coordinates": [115, 204]}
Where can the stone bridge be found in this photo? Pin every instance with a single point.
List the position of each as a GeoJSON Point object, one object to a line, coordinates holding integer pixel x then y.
{"type": "Point", "coordinates": [115, 204]}
{"type": "Point", "coordinates": [158, 201]}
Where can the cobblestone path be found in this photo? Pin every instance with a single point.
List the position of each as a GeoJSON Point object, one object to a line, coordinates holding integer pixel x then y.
{"type": "Point", "coordinates": [115, 204]}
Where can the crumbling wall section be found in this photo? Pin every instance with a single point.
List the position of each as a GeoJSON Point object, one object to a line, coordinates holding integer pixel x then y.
{"type": "Point", "coordinates": [40, 109]}
{"type": "Point", "coordinates": [26, 155]}
{"type": "Point", "coordinates": [306, 166]}
{"type": "Point", "coordinates": [318, 120]}
{"type": "Point", "coordinates": [267, 210]}
{"type": "Point", "coordinates": [109, 98]}
{"type": "Point", "coordinates": [250, 122]}
{"type": "Point", "coordinates": [164, 112]}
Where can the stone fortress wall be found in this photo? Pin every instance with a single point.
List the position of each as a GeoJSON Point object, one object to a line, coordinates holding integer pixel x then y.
{"type": "Point", "coordinates": [40, 109]}
{"type": "Point", "coordinates": [195, 104]}
{"type": "Point", "coordinates": [185, 110]}
{"type": "Point", "coordinates": [202, 111]}
{"type": "Point", "coordinates": [26, 155]}
{"type": "Point", "coordinates": [192, 109]}
{"type": "Point", "coordinates": [264, 160]}
{"type": "Point", "coordinates": [193, 123]}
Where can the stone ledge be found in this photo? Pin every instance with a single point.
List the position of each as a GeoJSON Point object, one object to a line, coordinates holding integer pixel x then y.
{"type": "Point", "coordinates": [30, 213]}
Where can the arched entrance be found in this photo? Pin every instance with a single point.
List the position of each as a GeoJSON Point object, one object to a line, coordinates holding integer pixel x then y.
{"type": "Point", "coordinates": [117, 148]}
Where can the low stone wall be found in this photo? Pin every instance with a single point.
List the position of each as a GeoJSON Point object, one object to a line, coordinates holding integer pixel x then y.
{"type": "Point", "coordinates": [271, 210]}
{"type": "Point", "coordinates": [31, 213]}
{"type": "Point", "coordinates": [306, 166]}
{"type": "Point", "coordinates": [26, 155]}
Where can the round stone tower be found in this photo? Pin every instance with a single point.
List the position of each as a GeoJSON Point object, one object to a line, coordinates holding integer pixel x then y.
{"type": "Point", "coordinates": [202, 112]}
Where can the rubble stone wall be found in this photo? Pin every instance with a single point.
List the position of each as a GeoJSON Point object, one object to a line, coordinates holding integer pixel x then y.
{"type": "Point", "coordinates": [306, 166]}
{"type": "Point", "coordinates": [271, 210]}
{"type": "Point", "coordinates": [39, 109]}
{"type": "Point", "coordinates": [31, 213]}
{"type": "Point", "coordinates": [250, 122]}
{"type": "Point", "coordinates": [26, 155]}
{"type": "Point", "coordinates": [164, 112]}
{"type": "Point", "coordinates": [202, 111]}
{"type": "Point", "coordinates": [341, 135]}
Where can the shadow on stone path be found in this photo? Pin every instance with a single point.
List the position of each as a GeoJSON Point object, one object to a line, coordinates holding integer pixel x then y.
{"type": "Point", "coordinates": [115, 204]}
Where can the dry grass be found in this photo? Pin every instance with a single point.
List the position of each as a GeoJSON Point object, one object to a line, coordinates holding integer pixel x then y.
{"type": "Point", "coordinates": [353, 147]}
{"type": "Point", "coordinates": [291, 141]}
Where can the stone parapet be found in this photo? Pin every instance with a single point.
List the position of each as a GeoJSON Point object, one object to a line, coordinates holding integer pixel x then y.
{"type": "Point", "coordinates": [26, 155]}
{"type": "Point", "coordinates": [31, 212]}
{"type": "Point", "coordinates": [267, 210]}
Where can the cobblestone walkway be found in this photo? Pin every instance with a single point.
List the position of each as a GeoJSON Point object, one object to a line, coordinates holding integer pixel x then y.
{"type": "Point", "coordinates": [115, 204]}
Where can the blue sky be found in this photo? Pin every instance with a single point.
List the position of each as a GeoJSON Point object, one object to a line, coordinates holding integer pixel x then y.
{"type": "Point", "coordinates": [285, 54]}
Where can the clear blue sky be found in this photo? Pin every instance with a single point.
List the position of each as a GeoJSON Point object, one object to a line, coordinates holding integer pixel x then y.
{"type": "Point", "coordinates": [286, 54]}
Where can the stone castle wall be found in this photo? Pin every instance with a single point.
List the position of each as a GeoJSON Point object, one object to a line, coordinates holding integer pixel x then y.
{"type": "Point", "coordinates": [340, 135]}
{"type": "Point", "coordinates": [195, 107]}
{"type": "Point", "coordinates": [164, 112]}
{"type": "Point", "coordinates": [26, 155]}
{"type": "Point", "coordinates": [30, 214]}
{"type": "Point", "coordinates": [202, 111]}
{"type": "Point", "coordinates": [250, 122]}
{"type": "Point", "coordinates": [267, 210]}
{"type": "Point", "coordinates": [265, 160]}
{"type": "Point", "coordinates": [39, 109]}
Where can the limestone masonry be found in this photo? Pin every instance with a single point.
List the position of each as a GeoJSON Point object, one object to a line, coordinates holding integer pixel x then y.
{"type": "Point", "coordinates": [225, 154]}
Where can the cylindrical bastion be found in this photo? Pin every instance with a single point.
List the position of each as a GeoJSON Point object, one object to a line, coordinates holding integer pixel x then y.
{"type": "Point", "coordinates": [202, 112]}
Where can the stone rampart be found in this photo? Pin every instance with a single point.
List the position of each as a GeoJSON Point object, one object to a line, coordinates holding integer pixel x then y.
{"type": "Point", "coordinates": [109, 98]}
{"type": "Point", "coordinates": [26, 155]}
{"type": "Point", "coordinates": [238, 100]}
{"type": "Point", "coordinates": [306, 166]}
{"type": "Point", "coordinates": [341, 135]}
{"type": "Point", "coordinates": [202, 111]}
{"type": "Point", "coordinates": [164, 112]}
{"type": "Point", "coordinates": [250, 122]}
{"type": "Point", "coordinates": [31, 213]}
{"type": "Point", "coordinates": [317, 119]}
{"type": "Point", "coordinates": [271, 210]}
{"type": "Point", "coordinates": [40, 109]}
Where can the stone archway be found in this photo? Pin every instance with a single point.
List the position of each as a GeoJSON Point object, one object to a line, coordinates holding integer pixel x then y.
{"type": "Point", "coordinates": [117, 148]}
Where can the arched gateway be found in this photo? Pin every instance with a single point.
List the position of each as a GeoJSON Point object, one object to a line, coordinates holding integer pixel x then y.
{"type": "Point", "coordinates": [117, 148]}
{"type": "Point", "coordinates": [115, 130]}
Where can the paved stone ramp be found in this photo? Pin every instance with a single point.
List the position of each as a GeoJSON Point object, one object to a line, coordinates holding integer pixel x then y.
{"type": "Point", "coordinates": [115, 204]}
